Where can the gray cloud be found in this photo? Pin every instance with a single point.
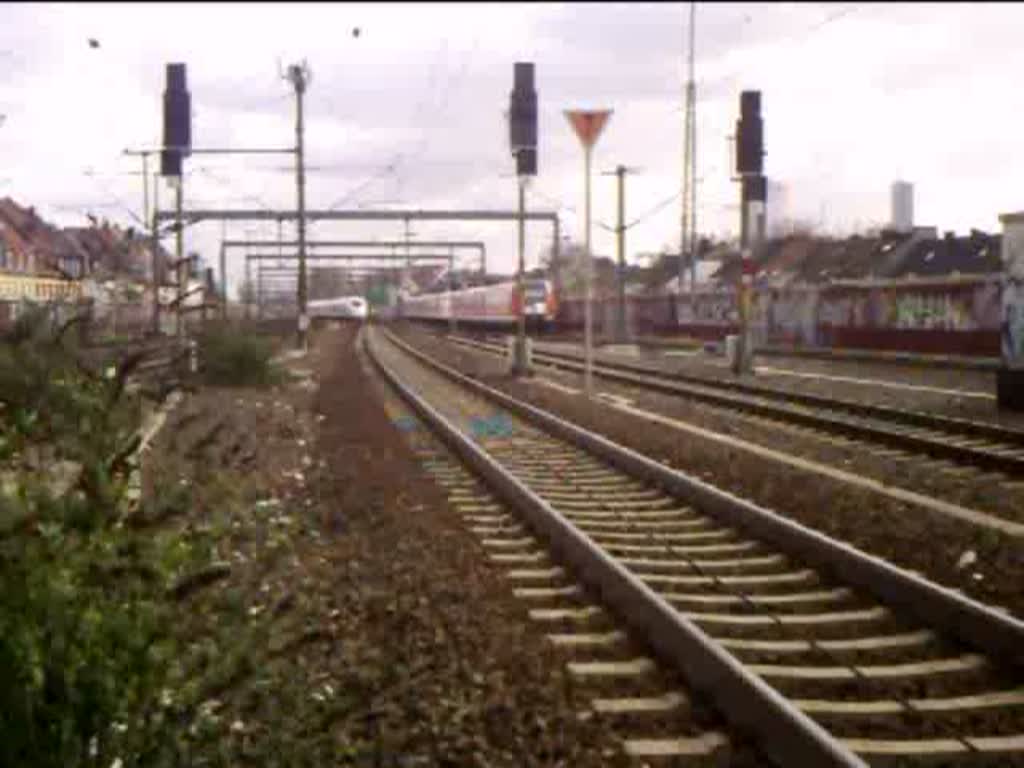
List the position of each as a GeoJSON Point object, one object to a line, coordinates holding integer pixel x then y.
{"type": "Point", "coordinates": [853, 96]}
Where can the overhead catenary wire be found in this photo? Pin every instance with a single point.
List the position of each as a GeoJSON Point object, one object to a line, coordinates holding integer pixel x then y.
{"type": "Point", "coordinates": [796, 36]}
{"type": "Point", "coordinates": [393, 165]}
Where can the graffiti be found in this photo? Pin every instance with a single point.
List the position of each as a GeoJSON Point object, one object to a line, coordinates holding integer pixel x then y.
{"type": "Point", "coordinates": [835, 310]}
{"type": "Point", "coordinates": [714, 309]}
{"type": "Point", "coordinates": [805, 314]}
{"type": "Point", "coordinates": [790, 316]}
{"type": "Point", "coordinates": [1012, 315]}
{"type": "Point", "coordinates": [956, 317]}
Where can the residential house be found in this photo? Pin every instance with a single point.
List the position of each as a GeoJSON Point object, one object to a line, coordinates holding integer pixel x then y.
{"type": "Point", "coordinates": [31, 246]}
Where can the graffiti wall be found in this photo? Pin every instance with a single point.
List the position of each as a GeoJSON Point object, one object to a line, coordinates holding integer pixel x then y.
{"type": "Point", "coordinates": [940, 318]}
{"type": "Point", "coordinates": [1012, 314]}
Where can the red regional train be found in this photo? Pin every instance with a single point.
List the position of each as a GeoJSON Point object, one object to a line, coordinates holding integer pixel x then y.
{"type": "Point", "coordinates": [486, 305]}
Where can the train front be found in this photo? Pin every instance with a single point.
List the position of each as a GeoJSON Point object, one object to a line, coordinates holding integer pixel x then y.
{"type": "Point", "coordinates": [540, 304]}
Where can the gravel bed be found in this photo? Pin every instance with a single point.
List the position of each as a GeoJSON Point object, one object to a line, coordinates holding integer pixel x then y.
{"type": "Point", "coordinates": [884, 527]}
{"type": "Point", "coordinates": [994, 494]}
{"type": "Point", "coordinates": [359, 622]}
{"type": "Point", "coordinates": [981, 409]}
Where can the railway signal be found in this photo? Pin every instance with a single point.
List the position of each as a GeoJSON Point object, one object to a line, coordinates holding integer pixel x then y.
{"type": "Point", "coordinates": [750, 167]}
{"type": "Point", "coordinates": [588, 125]}
{"type": "Point", "coordinates": [522, 126]}
{"type": "Point", "coordinates": [177, 144]}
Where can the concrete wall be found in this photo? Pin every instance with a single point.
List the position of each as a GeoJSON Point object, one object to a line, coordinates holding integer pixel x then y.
{"type": "Point", "coordinates": [950, 318]}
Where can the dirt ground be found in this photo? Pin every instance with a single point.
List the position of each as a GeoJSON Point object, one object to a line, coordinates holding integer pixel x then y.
{"type": "Point", "coordinates": [889, 529]}
{"type": "Point", "coordinates": [348, 618]}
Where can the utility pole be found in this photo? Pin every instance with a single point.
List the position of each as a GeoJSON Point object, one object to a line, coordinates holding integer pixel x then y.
{"type": "Point", "coordinates": [588, 278]}
{"type": "Point", "coordinates": [300, 77]}
{"type": "Point", "coordinates": [179, 253]}
{"type": "Point", "coordinates": [688, 232]}
{"type": "Point", "coordinates": [247, 298]}
{"type": "Point", "coordinates": [157, 265]}
{"type": "Point", "coordinates": [155, 246]}
{"type": "Point", "coordinates": [145, 186]}
{"type": "Point", "coordinates": [404, 276]}
{"type": "Point", "coordinates": [223, 274]}
{"type": "Point", "coordinates": [620, 243]}
{"type": "Point", "coordinates": [408, 260]}
{"type": "Point", "coordinates": [451, 289]}
{"type": "Point", "coordinates": [259, 290]}
{"type": "Point", "coordinates": [519, 363]}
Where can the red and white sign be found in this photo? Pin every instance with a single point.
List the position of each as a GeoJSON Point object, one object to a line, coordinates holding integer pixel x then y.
{"type": "Point", "coordinates": [588, 123]}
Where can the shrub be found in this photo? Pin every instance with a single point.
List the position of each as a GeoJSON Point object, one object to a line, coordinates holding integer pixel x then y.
{"type": "Point", "coordinates": [229, 356]}
{"type": "Point", "coordinates": [82, 617]}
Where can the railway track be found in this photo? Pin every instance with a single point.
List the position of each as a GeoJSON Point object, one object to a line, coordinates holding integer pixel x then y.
{"type": "Point", "coordinates": [824, 655]}
{"type": "Point", "coordinates": [986, 446]}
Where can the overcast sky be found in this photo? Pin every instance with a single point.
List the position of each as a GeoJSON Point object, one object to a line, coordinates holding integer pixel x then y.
{"type": "Point", "coordinates": [410, 112]}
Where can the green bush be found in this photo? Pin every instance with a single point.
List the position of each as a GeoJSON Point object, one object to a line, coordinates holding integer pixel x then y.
{"type": "Point", "coordinates": [83, 620]}
{"type": "Point", "coordinates": [229, 356]}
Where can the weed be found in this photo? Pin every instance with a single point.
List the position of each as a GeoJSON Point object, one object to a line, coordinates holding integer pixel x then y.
{"type": "Point", "coordinates": [230, 356]}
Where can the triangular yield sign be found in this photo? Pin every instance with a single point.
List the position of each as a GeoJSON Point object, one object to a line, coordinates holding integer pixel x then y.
{"type": "Point", "coordinates": [588, 124]}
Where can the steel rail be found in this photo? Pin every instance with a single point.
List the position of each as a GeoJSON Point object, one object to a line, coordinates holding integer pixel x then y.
{"type": "Point", "coordinates": [914, 418]}
{"type": "Point", "coordinates": [789, 735]}
{"type": "Point", "coordinates": [906, 416]}
{"type": "Point", "coordinates": [677, 384]}
{"type": "Point", "coordinates": [998, 634]}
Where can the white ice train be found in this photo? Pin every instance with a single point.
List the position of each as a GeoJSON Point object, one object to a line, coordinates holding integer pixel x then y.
{"type": "Point", "coordinates": [342, 307]}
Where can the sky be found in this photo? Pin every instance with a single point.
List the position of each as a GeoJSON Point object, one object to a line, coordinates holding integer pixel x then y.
{"type": "Point", "coordinates": [410, 113]}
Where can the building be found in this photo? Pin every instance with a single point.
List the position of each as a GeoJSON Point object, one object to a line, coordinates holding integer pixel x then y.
{"type": "Point", "coordinates": [902, 206]}
{"type": "Point", "coordinates": [31, 246]}
{"type": "Point", "coordinates": [776, 208]}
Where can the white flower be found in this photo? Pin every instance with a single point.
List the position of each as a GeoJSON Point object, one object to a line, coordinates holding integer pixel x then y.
{"type": "Point", "coordinates": [237, 727]}
{"type": "Point", "coordinates": [117, 763]}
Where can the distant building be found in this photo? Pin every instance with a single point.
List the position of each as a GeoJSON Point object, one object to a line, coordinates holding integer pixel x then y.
{"type": "Point", "coordinates": [776, 208]}
{"type": "Point", "coordinates": [902, 206]}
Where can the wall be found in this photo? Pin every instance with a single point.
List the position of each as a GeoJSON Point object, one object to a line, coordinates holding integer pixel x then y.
{"type": "Point", "coordinates": [948, 318]}
{"type": "Point", "coordinates": [1012, 308]}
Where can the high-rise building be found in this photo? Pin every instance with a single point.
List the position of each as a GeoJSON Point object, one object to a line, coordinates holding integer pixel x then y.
{"type": "Point", "coordinates": [776, 208]}
{"type": "Point", "coordinates": [902, 206]}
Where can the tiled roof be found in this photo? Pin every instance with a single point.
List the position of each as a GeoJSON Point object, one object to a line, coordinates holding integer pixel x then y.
{"type": "Point", "coordinates": [25, 232]}
{"type": "Point", "coordinates": [977, 254]}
